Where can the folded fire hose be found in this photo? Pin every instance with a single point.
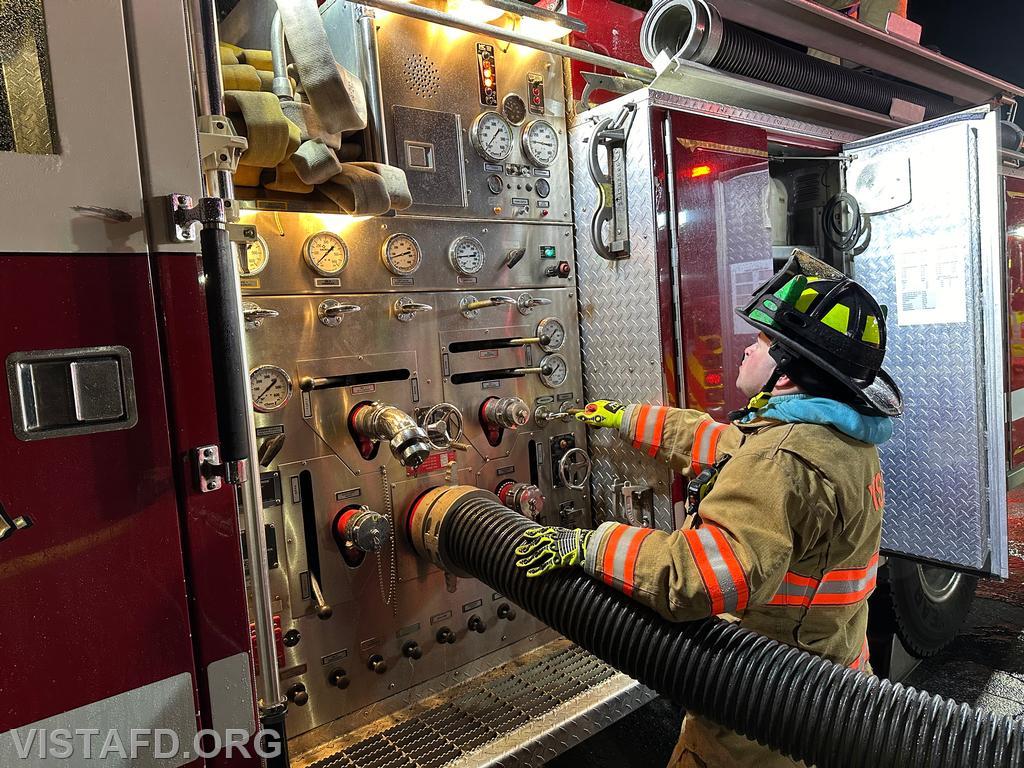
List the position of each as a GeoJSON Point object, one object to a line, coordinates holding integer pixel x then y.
{"type": "Point", "coordinates": [800, 704]}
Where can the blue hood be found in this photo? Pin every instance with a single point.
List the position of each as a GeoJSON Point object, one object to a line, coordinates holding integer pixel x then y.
{"type": "Point", "coordinates": [805, 409]}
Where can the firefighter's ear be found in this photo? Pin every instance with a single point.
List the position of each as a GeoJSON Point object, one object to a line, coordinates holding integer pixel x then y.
{"type": "Point", "coordinates": [784, 382]}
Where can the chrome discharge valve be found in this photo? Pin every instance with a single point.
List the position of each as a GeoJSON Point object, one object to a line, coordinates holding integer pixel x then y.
{"type": "Point", "coordinates": [525, 499]}
{"type": "Point", "coordinates": [408, 441]}
{"type": "Point", "coordinates": [359, 527]}
{"type": "Point", "coordinates": [505, 412]}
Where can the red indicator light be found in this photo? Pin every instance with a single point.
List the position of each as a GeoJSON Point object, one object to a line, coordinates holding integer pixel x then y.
{"type": "Point", "coordinates": [700, 170]}
{"type": "Point", "coordinates": [713, 379]}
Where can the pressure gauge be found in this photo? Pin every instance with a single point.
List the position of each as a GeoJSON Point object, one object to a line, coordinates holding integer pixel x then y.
{"type": "Point", "coordinates": [491, 136]}
{"type": "Point", "coordinates": [551, 328]}
{"type": "Point", "coordinates": [540, 143]}
{"type": "Point", "coordinates": [257, 256]}
{"type": "Point", "coordinates": [401, 254]}
{"type": "Point", "coordinates": [466, 255]}
{"type": "Point", "coordinates": [555, 372]}
{"type": "Point", "coordinates": [514, 108]}
{"type": "Point", "coordinates": [325, 253]}
{"type": "Point", "coordinates": [271, 388]}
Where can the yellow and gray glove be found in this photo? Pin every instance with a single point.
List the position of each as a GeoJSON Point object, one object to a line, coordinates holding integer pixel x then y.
{"type": "Point", "coordinates": [546, 549]}
{"type": "Point", "coordinates": [602, 413]}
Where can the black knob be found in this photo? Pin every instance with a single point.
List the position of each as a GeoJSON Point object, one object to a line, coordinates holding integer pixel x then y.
{"type": "Point", "coordinates": [563, 270]}
{"type": "Point", "coordinates": [445, 635]}
{"type": "Point", "coordinates": [506, 611]}
{"type": "Point", "coordinates": [297, 695]}
{"type": "Point", "coordinates": [377, 664]}
{"type": "Point", "coordinates": [324, 612]}
{"type": "Point", "coordinates": [412, 650]}
{"type": "Point", "coordinates": [476, 624]}
{"type": "Point", "coordinates": [339, 678]}
{"type": "Point", "coordinates": [291, 638]}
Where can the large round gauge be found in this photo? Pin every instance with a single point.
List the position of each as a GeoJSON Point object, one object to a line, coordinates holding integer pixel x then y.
{"type": "Point", "coordinates": [325, 253]}
{"type": "Point", "coordinates": [257, 256]}
{"type": "Point", "coordinates": [491, 136]}
{"type": "Point", "coordinates": [514, 108]}
{"type": "Point", "coordinates": [540, 143]}
{"type": "Point", "coordinates": [466, 255]}
{"type": "Point", "coordinates": [271, 388]}
{"type": "Point", "coordinates": [552, 334]}
{"type": "Point", "coordinates": [555, 372]}
{"type": "Point", "coordinates": [401, 254]}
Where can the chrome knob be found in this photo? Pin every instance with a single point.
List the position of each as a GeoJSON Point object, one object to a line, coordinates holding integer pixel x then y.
{"type": "Point", "coordinates": [405, 309]}
{"type": "Point", "coordinates": [331, 312]}
{"type": "Point", "coordinates": [254, 314]}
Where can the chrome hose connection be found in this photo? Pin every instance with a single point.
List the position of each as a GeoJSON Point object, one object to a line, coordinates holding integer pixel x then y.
{"type": "Point", "coordinates": [407, 440]}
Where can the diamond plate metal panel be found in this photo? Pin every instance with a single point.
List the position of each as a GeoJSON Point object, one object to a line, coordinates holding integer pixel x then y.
{"type": "Point", "coordinates": [929, 262]}
{"type": "Point", "coordinates": [24, 80]}
{"type": "Point", "coordinates": [509, 716]}
{"type": "Point", "coordinates": [620, 329]}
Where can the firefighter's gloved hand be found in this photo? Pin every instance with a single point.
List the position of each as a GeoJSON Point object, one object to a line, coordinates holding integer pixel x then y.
{"type": "Point", "coordinates": [546, 549]}
{"type": "Point", "coordinates": [602, 413]}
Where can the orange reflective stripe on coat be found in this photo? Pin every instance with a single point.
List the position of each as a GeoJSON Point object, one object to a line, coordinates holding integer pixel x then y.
{"type": "Point", "coordinates": [705, 444]}
{"type": "Point", "coordinates": [619, 565]}
{"type": "Point", "coordinates": [650, 427]}
{"type": "Point", "coordinates": [841, 587]}
{"type": "Point", "coordinates": [720, 570]}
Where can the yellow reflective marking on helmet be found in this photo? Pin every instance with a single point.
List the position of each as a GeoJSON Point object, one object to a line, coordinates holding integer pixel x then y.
{"type": "Point", "coordinates": [805, 299]}
{"type": "Point", "coordinates": [838, 317]}
{"type": "Point", "coordinates": [871, 333]}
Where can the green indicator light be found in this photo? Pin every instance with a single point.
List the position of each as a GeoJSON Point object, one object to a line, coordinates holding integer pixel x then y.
{"type": "Point", "coordinates": [547, 252]}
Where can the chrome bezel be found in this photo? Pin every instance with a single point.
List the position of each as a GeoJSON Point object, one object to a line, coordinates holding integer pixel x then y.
{"type": "Point", "coordinates": [309, 259]}
{"type": "Point", "coordinates": [525, 141]}
{"type": "Point", "coordinates": [385, 247]}
{"type": "Point", "coordinates": [504, 106]}
{"type": "Point", "coordinates": [474, 136]}
{"type": "Point", "coordinates": [453, 256]}
{"type": "Point", "coordinates": [551, 347]}
{"type": "Point", "coordinates": [547, 380]}
{"type": "Point", "coordinates": [287, 380]}
{"type": "Point", "coordinates": [266, 257]}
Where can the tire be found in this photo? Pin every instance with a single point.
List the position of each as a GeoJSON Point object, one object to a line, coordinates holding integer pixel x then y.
{"type": "Point", "coordinates": [929, 604]}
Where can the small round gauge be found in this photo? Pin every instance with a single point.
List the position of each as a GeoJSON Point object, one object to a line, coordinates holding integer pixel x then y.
{"type": "Point", "coordinates": [514, 108]}
{"type": "Point", "coordinates": [543, 187]}
{"type": "Point", "coordinates": [491, 136]}
{"type": "Point", "coordinates": [271, 388]}
{"type": "Point", "coordinates": [556, 371]}
{"type": "Point", "coordinates": [401, 254]}
{"type": "Point", "coordinates": [494, 184]}
{"type": "Point", "coordinates": [257, 256]}
{"type": "Point", "coordinates": [540, 143]}
{"type": "Point", "coordinates": [325, 253]}
{"type": "Point", "coordinates": [467, 255]}
{"type": "Point", "coordinates": [552, 329]}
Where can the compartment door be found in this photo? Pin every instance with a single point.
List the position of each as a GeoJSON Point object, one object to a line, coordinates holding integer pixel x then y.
{"type": "Point", "coordinates": [935, 259]}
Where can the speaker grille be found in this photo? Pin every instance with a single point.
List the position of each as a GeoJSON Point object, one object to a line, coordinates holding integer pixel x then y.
{"type": "Point", "coordinates": [421, 75]}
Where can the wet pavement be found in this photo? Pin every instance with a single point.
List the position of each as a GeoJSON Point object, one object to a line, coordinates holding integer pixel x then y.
{"type": "Point", "coordinates": [984, 667]}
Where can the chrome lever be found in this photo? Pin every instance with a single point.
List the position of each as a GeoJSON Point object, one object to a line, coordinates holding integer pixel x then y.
{"type": "Point", "coordinates": [331, 312]}
{"type": "Point", "coordinates": [471, 305]}
{"type": "Point", "coordinates": [405, 309]}
{"type": "Point", "coordinates": [323, 610]}
{"type": "Point", "coordinates": [526, 303]}
{"type": "Point", "coordinates": [254, 314]}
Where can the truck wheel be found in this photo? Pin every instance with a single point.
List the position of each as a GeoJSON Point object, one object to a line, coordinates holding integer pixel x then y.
{"type": "Point", "coordinates": [930, 604]}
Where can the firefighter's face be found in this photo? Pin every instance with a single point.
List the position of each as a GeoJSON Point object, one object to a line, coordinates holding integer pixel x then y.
{"type": "Point", "coordinates": [755, 367]}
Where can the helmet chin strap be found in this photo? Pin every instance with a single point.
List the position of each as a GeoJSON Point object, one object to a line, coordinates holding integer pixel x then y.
{"type": "Point", "coordinates": [783, 359]}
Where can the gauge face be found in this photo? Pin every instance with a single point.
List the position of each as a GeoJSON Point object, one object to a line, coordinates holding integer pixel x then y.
{"type": "Point", "coordinates": [401, 254]}
{"type": "Point", "coordinates": [543, 187]}
{"type": "Point", "coordinates": [491, 136]}
{"type": "Point", "coordinates": [257, 256]}
{"type": "Point", "coordinates": [556, 371]}
{"type": "Point", "coordinates": [325, 253]}
{"type": "Point", "coordinates": [494, 183]}
{"type": "Point", "coordinates": [466, 255]}
{"type": "Point", "coordinates": [514, 108]}
{"type": "Point", "coordinates": [271, 388]}
{"type": "Point", "coordinates": [551, 329]}
{"type": "Point", "coordinates": [540, 143]}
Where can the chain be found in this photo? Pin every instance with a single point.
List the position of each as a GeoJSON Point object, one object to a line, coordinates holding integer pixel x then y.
{"type": "Point", "coordinates": [388, 594]}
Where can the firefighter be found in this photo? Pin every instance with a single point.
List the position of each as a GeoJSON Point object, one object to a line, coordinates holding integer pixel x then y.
{"type": "Point", "coordinates": [873, 12]}
{"type": "Point", "coordinates": [787, 537]}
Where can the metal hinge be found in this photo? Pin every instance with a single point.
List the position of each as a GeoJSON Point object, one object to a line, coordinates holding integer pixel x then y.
{"type": "Point", "coordinates": [209, 472]}
{"type": "Point", "coordinates": [219, 146]}
{"type": "Point", "coordinates": [185, 214]}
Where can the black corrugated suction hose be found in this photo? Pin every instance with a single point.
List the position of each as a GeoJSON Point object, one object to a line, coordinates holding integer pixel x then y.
{"type": "Point", "coordinates": [745, 52]}
{"type": "Point", "coordinates": [800, 704]}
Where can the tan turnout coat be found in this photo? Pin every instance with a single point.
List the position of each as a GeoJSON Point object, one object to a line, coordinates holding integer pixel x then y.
{"type": "Point", "coordinates": [788, 543]}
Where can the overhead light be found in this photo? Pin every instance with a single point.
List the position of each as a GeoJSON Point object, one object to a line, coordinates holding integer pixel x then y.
{"type": "Point", "coordinates": [540, 29]}
{"type": "Point", "coordinates": [474, 10]}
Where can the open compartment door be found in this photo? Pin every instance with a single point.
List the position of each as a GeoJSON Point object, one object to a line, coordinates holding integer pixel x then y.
{"type": "Point", "coordinates": [935, 259]}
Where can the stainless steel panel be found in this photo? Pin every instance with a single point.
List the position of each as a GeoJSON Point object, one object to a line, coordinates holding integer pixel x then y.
{"type": "Point", "coordinates": [620, 328]}
{"type": "Point", "coordinates": [937, 263]}
{"type": "Point", "coordinates": [438, 176]}
{"type": "Point", "coordinates": [286, 274]}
